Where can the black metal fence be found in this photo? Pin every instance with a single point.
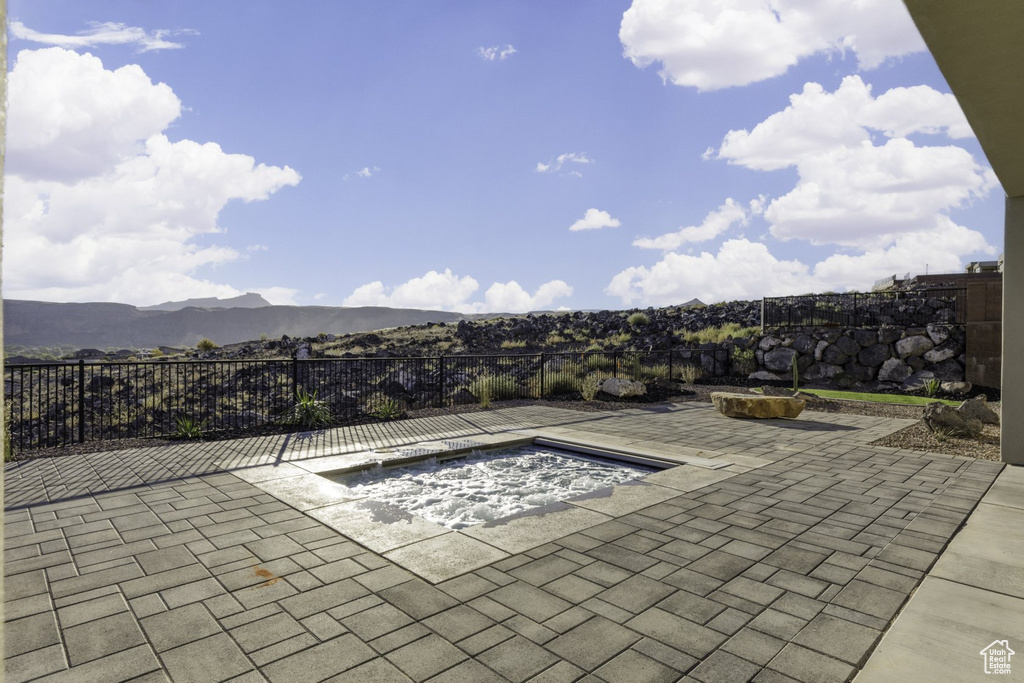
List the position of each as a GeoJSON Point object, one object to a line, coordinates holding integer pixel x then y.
{"type": "Point", "coordinates": [59, 404]}
{"type": "Point", "coordinates": [903, 308]}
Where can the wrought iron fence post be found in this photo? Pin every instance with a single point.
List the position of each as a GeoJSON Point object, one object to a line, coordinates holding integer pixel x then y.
{"type": "Point", "coordinates": [855, 308]}
{"type": "Point", "coordinates": [541, 375]}
{"type": "Point", "coordinates": [81, 401]}
{"type": "Point", "coordinates": [615, 364]}
{"type": "Point", "coordinates": [295, 377]}
{"type": "Point", "coordinates": [440, 386]}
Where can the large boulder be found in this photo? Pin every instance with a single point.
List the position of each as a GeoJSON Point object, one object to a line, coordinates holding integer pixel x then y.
{"type": "Point", "coordinates": [865, 338]}
{"type": "Point", "coordinates": [944, 351]}
{"type": "Point", "coordinates": [821, 371]}
{"type": "Point", "coordinates": [834, 355]}
{"type": "Point", "coordinates": [744, 405]}
{"type": "Point", "coordinates": [623, 387]}
{"type": "Point", "coordinates": [945, 419]}
{"type": "Point", "coordinates": [873, 356]}
{"type": "Point", "coordinates": [938, 333]}
{"type": "Point", "coordinates": [780, 359]}
{"type": "Point", "coordinates": [913, 346]}
{"type": "Point", "coordinates": [894, 370]}
{"type": "Point", "coordinates": [977, 408]}
{"type": "Point", "coordinates": [847, 345]}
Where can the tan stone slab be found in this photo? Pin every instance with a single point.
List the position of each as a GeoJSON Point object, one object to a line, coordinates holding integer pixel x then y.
{"type": "Point", "coordinates": [517, 533]}
{"type": "Point", "coordinates": [941, 632]}
{"type": "Point", "coordinates": [378, 526]}
{"type": "Point", "coordinates": [261, 473]}
{"type": "Point", "coordinates": [445, 556]}
{"type": "Point", "coordinates": [688, 477]}
{"type": "Point", "coordinates": [307, 491]}
{"type": "Point", "coordinates": [624, 498]}
{"type": "Point", "coordinates": [1008, 488]}
{"type": "Point", "coordinates": [987, 552]}
{"type": "Point", "coordinates": [746, 405]}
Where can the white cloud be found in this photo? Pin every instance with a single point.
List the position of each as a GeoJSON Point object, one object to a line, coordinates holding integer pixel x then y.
{"type": "Point", "coordinates": [496, 52]}
{"type": "Point", "coordinates": [740, 270]}
{"type": "Point", "coordinates": [816, 120]}
{"type": "Point", "coordinates": [594, 219]}
{"type": "Point", "coordinates": [102, 33]}
{"type": "Point", "coordinates": [278, 296]}
{"type": "Point", "coordinates": [712, 44]}
{"type": "Point", "coordinates": [563, 159]}
{"type": "Point", "coordinates": [433, 291]}
{"type": "Point", "coordinates": [70, 118]}
{"type": "Point", "coordinates": [512, 298]}
{"type": "Point", "coordinates": [364, 172]}
{"type": "Point", "coordinates": [940, 250]}
{"type": "Point", "coordinates": [119, 220]}
{"type": "Point", "coordinates": [447, 291]}
{"type": "Point", "coordinates": [715, 223]}
{"type": "Point", "coordinates": [851, 191]}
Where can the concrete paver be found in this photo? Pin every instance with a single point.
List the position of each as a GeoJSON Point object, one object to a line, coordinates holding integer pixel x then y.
{"type": "Point", "coordinates": [783, 549]}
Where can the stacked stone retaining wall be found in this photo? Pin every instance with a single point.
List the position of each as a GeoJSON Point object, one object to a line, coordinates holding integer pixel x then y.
{"type": "Point", "coordinates": [886, 358]}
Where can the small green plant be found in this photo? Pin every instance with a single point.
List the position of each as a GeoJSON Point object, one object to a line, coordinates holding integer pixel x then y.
{"type": "Point", "coordinates": [598, 361]}
{"type": "Point", "coordinates": [309, 412]}
{"type": "Point", "coordinates": [555, 339]}
{"type": "Point", "coordinates": [156, 353]}
{"type": "Point", "coordinates": [385, 409]}
{"type": "Point", "coordinates": [188, 428]}
{"type": "Point", "coordinates": [205, 345]}
{"type": "Point", "coordinates": [263, 336]}
{"type": "Point", "coordinates": [560, 382]}
{"type": "Point", "coordinates": [688, 374]}
{"type": "Point", "coordinates": [942, 434]}
{"type": "Point", "coordinates": [590, 386]}
{"type": "Point", "coordinates": [932, 386]}
{"type": "Point", "coordinates": [638, 320]}
{"type": "Point", "coordinates": [8, 418]}
{"type": "Point", "coordinates": [743, 361]}
{"type": "Point", "coordinates": [720, 334]}
{"type": "Point", "coordinates": [513, 344]}
{"type": "Point", "coordinates": [796, 375]}
{"type": "Point", "coordinates": [487, 388]}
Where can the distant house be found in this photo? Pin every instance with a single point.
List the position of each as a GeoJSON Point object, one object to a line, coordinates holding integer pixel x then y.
{"type": "Point", "coordinates": [997, 657]}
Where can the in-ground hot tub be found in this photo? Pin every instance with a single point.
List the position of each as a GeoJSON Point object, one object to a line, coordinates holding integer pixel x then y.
{"type": "Point", "coordinates": [486, 486]}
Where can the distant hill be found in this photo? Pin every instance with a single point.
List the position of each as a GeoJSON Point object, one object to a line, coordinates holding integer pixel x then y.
{"type": "Point", "coordinates": [247, 300]}
{"type": "Point", "coordinates": [100, 325]}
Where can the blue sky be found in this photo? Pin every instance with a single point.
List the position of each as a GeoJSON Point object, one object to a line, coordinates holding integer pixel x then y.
{"type": "Point", "coordinates": [481, 156]}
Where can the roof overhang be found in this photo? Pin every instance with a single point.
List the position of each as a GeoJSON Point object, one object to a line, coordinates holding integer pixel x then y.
{"type": "Point", "coordinates": [979, 47]}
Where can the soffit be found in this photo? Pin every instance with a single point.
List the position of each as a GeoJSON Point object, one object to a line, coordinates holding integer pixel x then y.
{"type": "Point", "coordinates": [979, 47]}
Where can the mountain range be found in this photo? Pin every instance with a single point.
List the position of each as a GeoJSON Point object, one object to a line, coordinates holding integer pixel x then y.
{"type": "Point", "coordinates": [182, 324]}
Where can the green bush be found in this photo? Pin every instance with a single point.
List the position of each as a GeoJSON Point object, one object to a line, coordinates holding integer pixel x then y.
{"type": "Point", "coordinates": [598, 361]}
{"type": "Point", "coordinates": [688, 374]}
{"type": "Point", "coordinates": [205, 345]}
{"type": "Point", "coordinates": [743, 361]}
{"type": "Point", "coordinates": [638, 320]}
{"type": "Point", "coordinates": [385, 409]}
{"type": "Point", "coordinates": [720, 334]}
{"type": "Point", "coordinates": [308, 412]}
{"type": "Point", "coordinates": [487, 388]}
{"type": "Point", "coordinates": [590, 386]}
{"type": "Point", "coordinates": [931, 387]}
{"type": "Point", "coordinates": [188, 428]}
{"type": "Point", "coordinates": [561, 382]}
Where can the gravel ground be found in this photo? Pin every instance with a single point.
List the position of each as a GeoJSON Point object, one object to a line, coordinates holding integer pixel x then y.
{"type": "Point", "coordinates": [916, 437]}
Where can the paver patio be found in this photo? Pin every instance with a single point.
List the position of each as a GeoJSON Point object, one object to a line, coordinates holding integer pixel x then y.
{"type": "Point", "coordinates": [175, 563]}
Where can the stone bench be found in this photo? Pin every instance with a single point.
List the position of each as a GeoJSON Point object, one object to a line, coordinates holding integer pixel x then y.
{"type": "Point", "coordinates": [747, 405]}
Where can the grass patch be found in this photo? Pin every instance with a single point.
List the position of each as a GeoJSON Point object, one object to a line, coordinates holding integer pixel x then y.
{"type": "Point", "coordinates": [899, 399]}
{"type": "Point", "coordinates": [720, 334]}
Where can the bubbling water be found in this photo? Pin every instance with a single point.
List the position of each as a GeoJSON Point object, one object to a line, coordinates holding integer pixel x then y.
{"type": "Point", "coordinates": [483, 487]}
